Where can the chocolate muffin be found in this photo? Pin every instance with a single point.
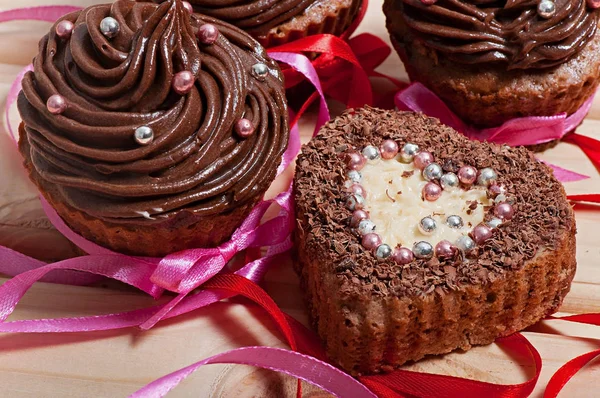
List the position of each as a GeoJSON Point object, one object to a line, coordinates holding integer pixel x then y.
{"type": "Point", "coordinates": [492, 61]}
{"type": "Point", "coordinates": [151, 130]}
{"type": "Point", "coordinates": [412, 240]}
{"type": "Point", "coordinates": [276, 22]}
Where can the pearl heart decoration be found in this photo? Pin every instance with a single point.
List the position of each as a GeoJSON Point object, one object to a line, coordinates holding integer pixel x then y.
{"type": "Point", "coordinates": [436, 181]}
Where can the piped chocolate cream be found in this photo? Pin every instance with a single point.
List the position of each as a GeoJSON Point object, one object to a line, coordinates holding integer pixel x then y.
{"type": "Point", "coordinates": [146, 113]}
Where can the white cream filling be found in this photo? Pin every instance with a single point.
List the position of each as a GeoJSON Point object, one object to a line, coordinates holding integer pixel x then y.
{"type": "Point", "coordinates": [395, 205]}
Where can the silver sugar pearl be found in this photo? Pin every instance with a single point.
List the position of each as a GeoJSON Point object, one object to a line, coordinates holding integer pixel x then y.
{"type": "Point", "coordinates": [486, 177]}
{"type": "Point", "coordinates": [354, 176]}
{"type": "Point", "coordinates": [432, 172]}
{"type": "Point", "coordinates": [454, 222]}
{"type": "Point", "coordinates": [144, 135]}
{"type": "Point", "coordinates": [427, 225]}
{"type": "Point", "coordinates": [383, 251]}
{"type": "Point", "coordinates": [355, 202]}
{"type": "Point", "coordinates": [500, 198]}
{"type": "Point", "coordinates": [546, 9]}
{"type": "Point", "coordinates": [423, 250]}
{"type": "Point", "coordinates": [109, 27]}
{"type": "Point", "coordinates": [465, 243]}
{"type": "Point", "coordinates": [371, 153]}
{"type": "Point", "coordinates": [260, 72]}
{"type": "Point", "coordinates": [366, 227]}
{"type": "Point", "coordinates": [408, 152]}
{"type": "Point", "coordinates": [449, 181]}
{"type": "Point", "coordinates": [494, 222]}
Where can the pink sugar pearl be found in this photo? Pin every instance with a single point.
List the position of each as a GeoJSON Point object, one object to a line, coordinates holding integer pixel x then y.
{"type": "Point", "coordinates": [244, 128]}
{"type": "Point", "coordinates": [593, 3]}
{"type": "Point", "coordinates": [444, 249]}
{"type": "Point", "coordinates": [497, 189]}
{"type": "Point", "coordinates": [431, 192]}
{"type": "Point", "coordinates": [208, 34]}
{"type": "Point", "coordinates": [423, 159]}
{"type": "Point", "coordinates": [187, 6]}
{"type": "Point", "coordinates": [183, 82]}
{"type": "Point", "coordinates": [505, 211]}
{"type": "Point", "coordinates": [403, 255]}
{"type": "Point", "coordinates": [389, 149]}
{"type": "Point", "coordinates": [371, 241]}
{"type": "Point", "coordinates": [358, 189]}
{"type": "Point", "coordinates": [56, 104]}
{"type": "Point", "coordinates": [357, 217]}
{"type": "Point", "coordinates": [467, 175]}
{"type": "Point", "coordinates": [64, 29]}
{"type": "Point", "coordinates": [355, 161]}
{"type": "Point", "coordinates": [481, 233]}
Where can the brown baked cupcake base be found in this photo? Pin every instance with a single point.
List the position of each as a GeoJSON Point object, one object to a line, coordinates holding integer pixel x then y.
{"type": "Point", "coordinates": [323, 17]}
{"type": "Point", "coordinates": [374, 315]}
{"type": "Point", "coordinates": [150, 238]}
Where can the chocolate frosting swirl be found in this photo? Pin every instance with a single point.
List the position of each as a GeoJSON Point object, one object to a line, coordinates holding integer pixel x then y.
{"type": "Point", "coordinates": [196, 162]}
{"type": "Point", "coordinates": [508, 32]}
{"type": "Point", "coordinates": [256, 17]}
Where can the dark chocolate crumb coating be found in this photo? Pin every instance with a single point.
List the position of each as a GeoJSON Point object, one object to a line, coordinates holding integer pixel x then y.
{"type": "Point", "coordinates": [375, 315]}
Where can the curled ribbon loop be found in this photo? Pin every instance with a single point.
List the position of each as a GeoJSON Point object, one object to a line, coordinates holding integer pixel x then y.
{"type": "Point", "coordinates": [531, 130]}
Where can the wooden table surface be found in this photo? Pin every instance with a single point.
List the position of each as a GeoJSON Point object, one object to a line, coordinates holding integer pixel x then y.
{"type": "Point", "coordinates": [115, 364]}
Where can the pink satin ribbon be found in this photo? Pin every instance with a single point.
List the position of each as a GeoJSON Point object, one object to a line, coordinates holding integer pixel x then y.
{"type": "Point", "coordinates": [291, 363]}
{"type": "Point", "coordinates": [305, 67]}
{"type": "Point", "coordinates": [531, 130]}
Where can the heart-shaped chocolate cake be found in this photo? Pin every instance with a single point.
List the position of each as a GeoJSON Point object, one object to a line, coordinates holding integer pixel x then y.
{"type": "Point", "coordinates": [413, 240]}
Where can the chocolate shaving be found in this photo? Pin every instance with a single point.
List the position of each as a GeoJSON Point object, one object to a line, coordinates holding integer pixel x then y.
{"type": "Point", "coordinates": [388, 195]}
{"type": "Point", "coordinates": [408, 173]}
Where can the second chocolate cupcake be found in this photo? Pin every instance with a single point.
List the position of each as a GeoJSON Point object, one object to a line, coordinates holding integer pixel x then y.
{"type": "Point", "coordinates": [275, 22]}
{"type": "Point", "coordinates": [492, 61]}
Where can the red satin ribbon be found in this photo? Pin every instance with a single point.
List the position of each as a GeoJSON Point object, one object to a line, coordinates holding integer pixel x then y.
{"type": "Point", "coordinates": [344, 65]}
{"type": "Point", "coordinates": [589, 198]}
{"type": "Point", "coordinates": [405, 383]}
{"type": "Point", "coordinates": [568, 370]}
{"type": "Point", "coordinates": [589, 145]}
{"type": "Point", "coordinates": [359, 86]}
{"type": "Point", "coordinates": [400, 383]}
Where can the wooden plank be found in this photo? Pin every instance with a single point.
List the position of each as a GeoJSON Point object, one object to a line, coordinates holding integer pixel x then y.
{"type": "Point", "coordinates": [109, 364]}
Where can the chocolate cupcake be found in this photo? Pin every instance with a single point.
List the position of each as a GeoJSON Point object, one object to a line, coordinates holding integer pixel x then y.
{"type": "Point", "coordinates": [413, 240]}
{"type": "Point", "coordinates": [151, 130]}
{"type": "Point", "coordinates": [276, 22]}
{"type": "Point", "coordinates": [492, 61]}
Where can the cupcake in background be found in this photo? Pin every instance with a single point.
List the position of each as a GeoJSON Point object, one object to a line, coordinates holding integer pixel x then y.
{"type": "Point", "coordinates": [492, 61]}
{"type": "Point", "coordinates": [151, 130]}
{"type": "Point", "coordinates": [276, 22]}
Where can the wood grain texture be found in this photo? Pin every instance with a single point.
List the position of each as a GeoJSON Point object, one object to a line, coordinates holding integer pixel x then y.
{"type": "Point", "coordinates": [114, 364]}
